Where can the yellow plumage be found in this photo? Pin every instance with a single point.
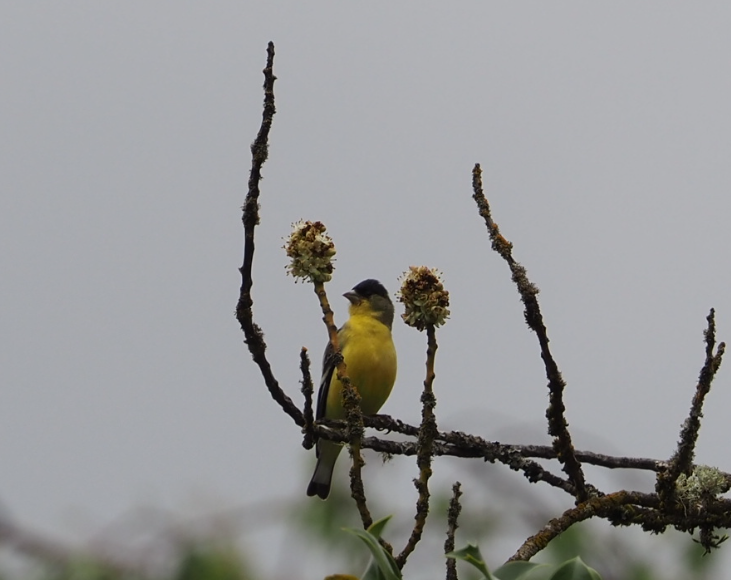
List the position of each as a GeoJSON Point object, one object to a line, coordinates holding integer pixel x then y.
{"type": "Point", "coordinates": [370, 358]}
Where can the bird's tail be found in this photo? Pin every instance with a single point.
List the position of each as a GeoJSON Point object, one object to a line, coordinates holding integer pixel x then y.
{"type": "Point", "coordinates": [327, 454]}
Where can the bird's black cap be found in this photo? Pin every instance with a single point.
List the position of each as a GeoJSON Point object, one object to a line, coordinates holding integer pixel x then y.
{"type": "Point", "coordinates": [368, 288]}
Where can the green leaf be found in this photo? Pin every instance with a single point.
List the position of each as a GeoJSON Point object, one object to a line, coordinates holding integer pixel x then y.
{"type": "Point", "coordinates": [373, 572]}
{"type": "Point", "coordinates": [472, 555]}
{"type": "Point", "coordinates": [383, 566]}
{"type": "Point", "coordinates": [575, 569]}
{"type": "Point", "coordinates": [520, 570]}
{"type": "Point", "coordinates": [376, 528]}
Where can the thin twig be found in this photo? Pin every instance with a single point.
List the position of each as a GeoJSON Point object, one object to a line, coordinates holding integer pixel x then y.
{"type": "Point", "coordinates": [507, 455]}
{"type": "Point", "coordinates": [452, 515]}
{"type": "Point", "coordinates": [307, 390]}
{"type": "Point", "coordinates": [427, 433]}
{"type": "Point", "coordinates": [254, 337]}
{"type": "Point", "coordinates": [388, 423]}
{"type": "Point", "coordinates": [608, 461]}
{"type": "Point", "coordinates": [557, 425]}
{"type": "Point", "coordinates": [682, 460]}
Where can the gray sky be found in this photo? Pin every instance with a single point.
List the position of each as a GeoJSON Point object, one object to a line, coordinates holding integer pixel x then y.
{"type": "Point", "coordinates": [604, 134]}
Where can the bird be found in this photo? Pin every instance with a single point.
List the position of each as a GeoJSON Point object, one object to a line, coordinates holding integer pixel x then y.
{"type": "Point", "coordinates": [370, 358]}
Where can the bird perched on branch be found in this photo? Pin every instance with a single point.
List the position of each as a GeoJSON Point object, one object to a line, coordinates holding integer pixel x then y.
{"type": "Point", "coordinates": [370, 359]}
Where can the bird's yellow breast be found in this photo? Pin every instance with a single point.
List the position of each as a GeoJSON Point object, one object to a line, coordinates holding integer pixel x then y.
{"type": "Point", "coordinates": [370, 358]}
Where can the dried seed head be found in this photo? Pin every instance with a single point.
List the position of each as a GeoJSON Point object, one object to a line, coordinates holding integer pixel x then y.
{"type": "Point", "coordinates": [311, 252]}
{"type": "Point", "coordinates": [425, 300]}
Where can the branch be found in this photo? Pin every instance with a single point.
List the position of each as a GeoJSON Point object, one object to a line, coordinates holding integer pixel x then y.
{"type": "Point", "coordinates": [608, 461]}
{"type": "Point", "coordinates": [452, 514]}
{"type": "Point", "coordinates": [682, 460]}
{"type": "Point", "coordinates": [425, 446]}
{"type": "Point", "coordinates": [471, 446]}
{"type": "Point", "coordinates": [506, 454]}
{"type": "Point", "coordinates": [625, 508]}
{"type": "Point", "coordinates": [254, 337]}
{"type": "Point", "coordinates": [596, 506]}
{"type": "Point", "coordinates": [557, 425]}
{"type": "Point", "coordinates": [307, 390]}
{"type": "Point", "coordinates": [388, 423]}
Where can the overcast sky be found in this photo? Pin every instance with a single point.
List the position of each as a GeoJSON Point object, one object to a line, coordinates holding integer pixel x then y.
{"type": "Point", "coordinates": [604, 134]}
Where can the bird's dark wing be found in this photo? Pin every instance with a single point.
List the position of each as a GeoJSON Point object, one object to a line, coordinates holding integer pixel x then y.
{"type": "Point", "coordinates": [328, 367]}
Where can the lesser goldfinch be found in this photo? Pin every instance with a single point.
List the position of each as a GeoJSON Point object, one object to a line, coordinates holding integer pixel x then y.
{"type": "Point", "coordinates": [370, 358]}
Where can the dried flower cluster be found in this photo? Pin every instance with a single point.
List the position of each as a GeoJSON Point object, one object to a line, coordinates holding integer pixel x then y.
{"type": "Point", "coordinates": [425, 300]}
{"type": "Point", "coordinates": [311, 252]}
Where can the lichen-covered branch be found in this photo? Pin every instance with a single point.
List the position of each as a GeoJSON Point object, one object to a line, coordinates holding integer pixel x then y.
{"type": "Point", "coordinates": [557, 424]}
{"type": "Point", "coordinates": [424, 452]}
{"type": "Point", "coordinates": [681, 462]}
{"type": "Point", "coordinates": [457, 444]}
{"type": "Point", "coordinates": [452, 516]}
{"type": "Point", "coordinates": [598, 459]}
{"type": "Point", "coordinates": [596, 506]}
{"type": "Point", "coordinates": [461, 445]}
{"type": "Point", "coordinates": [253, 335]}
{"type": "Point", "coordinates": [489, 448]}
{"type": "Point", "coordinates": [308, 440]}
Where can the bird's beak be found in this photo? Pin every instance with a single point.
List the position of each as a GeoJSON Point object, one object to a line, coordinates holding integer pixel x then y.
{"type": "Point", "coordinates": [353, 297]}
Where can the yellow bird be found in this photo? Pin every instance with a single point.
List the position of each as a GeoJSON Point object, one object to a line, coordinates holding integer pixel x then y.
{"type": "Point", "coordinates": [370, 357]}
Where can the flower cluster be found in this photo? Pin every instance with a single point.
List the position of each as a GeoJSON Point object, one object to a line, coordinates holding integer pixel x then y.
{"type": "Point", "coordinates": [425, 300]}
{"type": "Point", "coordinates": [311, 252]}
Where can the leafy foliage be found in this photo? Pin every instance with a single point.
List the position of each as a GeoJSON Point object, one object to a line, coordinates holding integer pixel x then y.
{"type": "Point", "coordinates": [574, 569]}
{"type": "Point", "coordinates": [382, 565]}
